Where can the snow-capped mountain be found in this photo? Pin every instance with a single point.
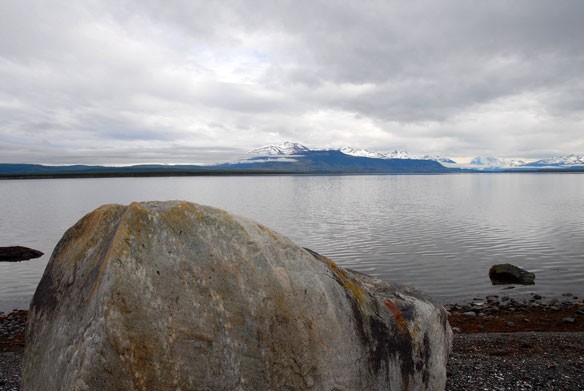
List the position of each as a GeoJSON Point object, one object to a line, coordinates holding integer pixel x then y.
{"type": "Point", "coordinates": [401, 155]}
{"type": "Point", "coordinates": [286, 148]}
{"type": "Point", "coordinates": [439, 159]}
{"type": "Point", "coordinates": [361, 153]}
{"type": "Point", "coordinates": [495, 163]}
{"type": "Point", "coordinates": [289, 148]}
{"type": "Point", "coordinates": [560, 161]}
{"type": "Point", "coordinates": [490, 162]}
{"type": "Point", "coordinates": [393, 155]}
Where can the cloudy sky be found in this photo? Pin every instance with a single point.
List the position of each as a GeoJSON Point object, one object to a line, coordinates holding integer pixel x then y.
{"type": "Point", "coordinates": [125, 81]}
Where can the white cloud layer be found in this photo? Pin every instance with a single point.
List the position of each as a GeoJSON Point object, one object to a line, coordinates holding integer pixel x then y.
{"type": "Point", "coordinates": [199, 81]}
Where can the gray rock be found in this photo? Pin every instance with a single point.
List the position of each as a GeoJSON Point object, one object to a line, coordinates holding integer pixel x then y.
{"type": "Point", "coordinates": [506, 273]}
{"type": "Point", "coordinates": [18, 253]}
{"type": "Point", "coordinates": [175, 295]}
{"type": "Point", "coordinates": [470, 313]}
{"type": "Point", "coordinates": [569, 320]}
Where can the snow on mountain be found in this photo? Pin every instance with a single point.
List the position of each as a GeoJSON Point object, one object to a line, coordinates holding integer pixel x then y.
{"type": "Point", "coordinates": [286, 148]}
{"type": "Point", "coordinates": [361, 153]}
{"type": "Point", "coordinates": [402, 155]}
{"type": "Point", "coordinates": [439, 159]}
{"type": "Point", "coordinates": [491, 162]}
{"type": "Point", "coordinates": [407, 155]}
{"type": "Point", "coordinates": [289, 148]}
{"type": "Point", "coordinates": [560, 161]}
{"type": "Point", "coordinates": [393, 155]}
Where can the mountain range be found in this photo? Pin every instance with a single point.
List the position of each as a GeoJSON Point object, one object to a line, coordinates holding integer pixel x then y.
{"type": "Point", "coordinates": [494, 163]}
{"type": "Point", "coordinates": [295, 157]}
{"type": "Point", "coordinates": [290, 158]}
{"type": "Point", "coordinates": [482, 163]}
{"type": "Point", "coordinates": [288, 148]}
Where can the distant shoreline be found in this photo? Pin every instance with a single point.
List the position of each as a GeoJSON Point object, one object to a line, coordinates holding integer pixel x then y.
{"type": "Point", "coordinates": [158, 174]}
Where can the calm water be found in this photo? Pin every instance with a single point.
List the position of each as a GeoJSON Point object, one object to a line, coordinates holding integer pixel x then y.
{"type": "Point", "coordinates": [439, 233]}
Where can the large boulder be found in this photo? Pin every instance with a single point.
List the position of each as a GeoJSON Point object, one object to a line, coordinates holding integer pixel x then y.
{"type": "Point", "coordinates": [173, 295]}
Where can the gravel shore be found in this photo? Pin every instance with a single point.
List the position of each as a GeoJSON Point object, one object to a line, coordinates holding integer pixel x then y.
{"type": "Point", "coordinates": [488, 353]}
{"type": "Point", "coordinates": [517, 362]}
{"type": "Point", "coordinates": [10, 368]}
{"type": "Point", "coordinates": [514, 362]}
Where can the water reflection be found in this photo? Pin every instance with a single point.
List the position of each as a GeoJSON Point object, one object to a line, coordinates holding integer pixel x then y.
{"type": "Point", "coordinates": [439, 233]}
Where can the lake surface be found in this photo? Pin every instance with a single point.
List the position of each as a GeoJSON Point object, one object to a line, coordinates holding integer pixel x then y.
{"type": "Point", "coordinates": [439, 233]}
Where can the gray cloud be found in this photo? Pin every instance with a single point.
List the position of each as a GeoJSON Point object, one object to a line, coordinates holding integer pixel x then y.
{"type": "Point", "coordinates": [143, 80]}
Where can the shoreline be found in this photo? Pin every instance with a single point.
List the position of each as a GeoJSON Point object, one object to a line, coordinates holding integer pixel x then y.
{"type": "Point", "coordinates": [493, 314]}
{"type": "Point", "coordinates": [504, 314]}
{"type": "Point", "coordinates": [540, 350]}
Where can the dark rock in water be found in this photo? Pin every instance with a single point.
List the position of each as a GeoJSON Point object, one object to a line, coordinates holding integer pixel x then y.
{"type": "Point", "coordinates": [506, 273]}
{"type": "Point", "coordinates": [18, 253]}
{"type": "Point", "coordinates": [173, 295]}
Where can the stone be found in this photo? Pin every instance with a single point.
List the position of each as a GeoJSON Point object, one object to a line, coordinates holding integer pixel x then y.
{"type": "Point", "coordinates": [569, 320]}
{"type": "Point", "coordinates": [174, 295]}
{"type": "Point", "coordinates": [470, 313]}
{"type": "Point", "coordinates": [18, 253]}
{"type": "Point", "coordinates": [510, 324]}
{"type": "Point", "coordinates": [506, 273]}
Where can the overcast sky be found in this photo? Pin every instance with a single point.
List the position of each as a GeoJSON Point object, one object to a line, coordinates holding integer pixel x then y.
{"type": "Point", "coordinates": [200, 81]}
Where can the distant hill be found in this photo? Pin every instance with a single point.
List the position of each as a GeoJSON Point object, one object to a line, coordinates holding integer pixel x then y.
{"type": "Point", "coordinates": [334, 161]}
{"type": "Point", "coordinates": [38, 170]}
{"type": "Point", "coordinates": [308, 161]}
{"type": "Point", "coordinates": [290, 158]}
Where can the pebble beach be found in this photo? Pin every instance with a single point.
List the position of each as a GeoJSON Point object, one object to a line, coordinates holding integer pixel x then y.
{"type": "Point", "coordinates": [500, 343]}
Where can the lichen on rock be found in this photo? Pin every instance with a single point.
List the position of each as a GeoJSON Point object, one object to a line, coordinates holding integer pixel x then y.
{"type": "Point", "coordinates": [174, 295]}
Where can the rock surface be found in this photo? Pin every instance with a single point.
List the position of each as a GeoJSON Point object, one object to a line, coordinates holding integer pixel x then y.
{"type": "Point", "coordinates": [506, 273]}
{"type": "Point", "coordinates": [173, 295]}
{"type": "Point", "coordinates": [18, 253]}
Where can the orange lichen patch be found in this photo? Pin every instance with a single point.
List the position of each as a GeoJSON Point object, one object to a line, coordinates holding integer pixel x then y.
{"type": "Point", "coordinates": [87, 233]}
{"type": "Point", "coordinates": [399, 318]}
{"type": "Point", "coordinates": [350, 284]}
{"type": "Point", "coordinates": [180, 216]}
